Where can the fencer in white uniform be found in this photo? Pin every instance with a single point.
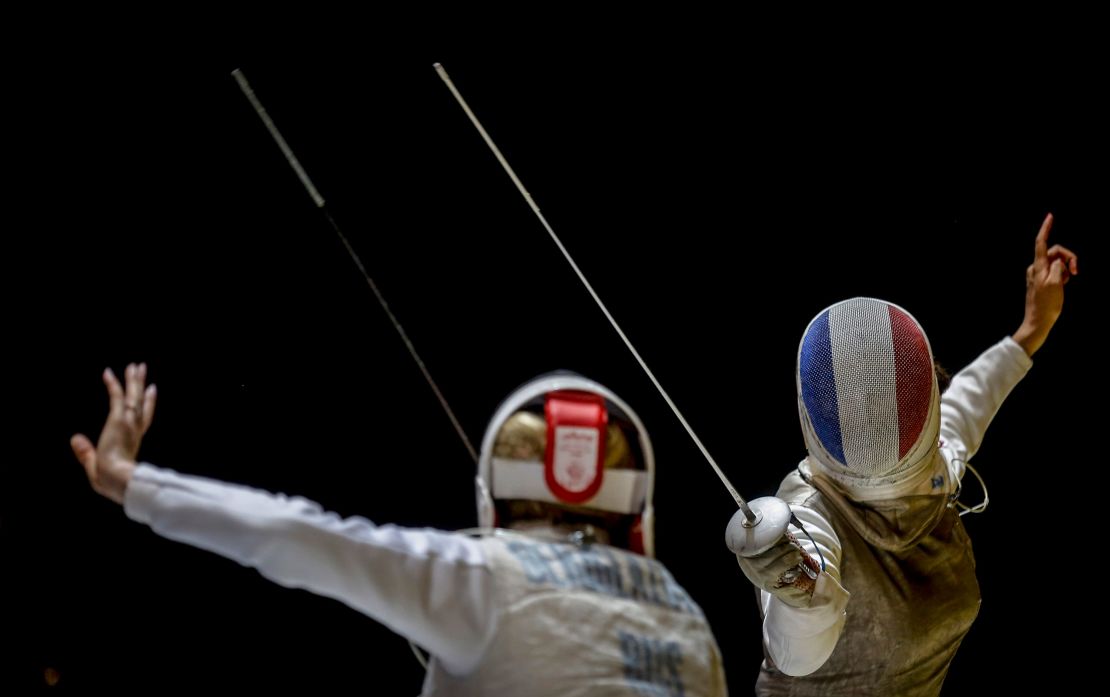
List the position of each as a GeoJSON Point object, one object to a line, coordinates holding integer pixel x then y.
{"type": "Point", "coordinates": [561, 595]}
{"type": "Point", "coordinates": [890, 590]}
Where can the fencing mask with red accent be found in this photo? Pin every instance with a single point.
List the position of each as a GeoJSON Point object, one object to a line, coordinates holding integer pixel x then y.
{"type": "Point", "coordinates": [564, 450]}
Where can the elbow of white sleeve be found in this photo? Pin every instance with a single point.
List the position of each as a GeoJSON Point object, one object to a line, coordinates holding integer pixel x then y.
{"type": "Point", "coordinates": [800, 640]}
{"type": "Point", "coordinates": [795, 661]}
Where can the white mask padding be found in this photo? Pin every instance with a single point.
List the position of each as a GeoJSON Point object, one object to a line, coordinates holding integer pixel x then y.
{"type": "Point", "coordinates": [622, 490]}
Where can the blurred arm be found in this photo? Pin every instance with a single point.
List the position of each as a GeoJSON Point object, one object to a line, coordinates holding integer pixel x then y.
{"type": "Point", "coordinates": [433, 587]}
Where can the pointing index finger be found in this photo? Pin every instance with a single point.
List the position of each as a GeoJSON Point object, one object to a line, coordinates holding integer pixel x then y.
{"type": "Point", "coordinates": [1041, 246]}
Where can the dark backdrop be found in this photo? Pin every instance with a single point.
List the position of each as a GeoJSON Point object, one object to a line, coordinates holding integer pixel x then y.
{"type": "Point", "coordinates": [716, 201]}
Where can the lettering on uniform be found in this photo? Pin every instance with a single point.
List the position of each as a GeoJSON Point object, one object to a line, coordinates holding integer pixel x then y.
{"type": "Point", "coordinates": [601, 569]}
{"type": "Point", "coordinates": [652, 667]}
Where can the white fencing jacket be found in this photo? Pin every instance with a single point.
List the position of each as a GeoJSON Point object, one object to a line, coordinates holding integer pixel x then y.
{"type": "Point", "coordinates": [501, 615]}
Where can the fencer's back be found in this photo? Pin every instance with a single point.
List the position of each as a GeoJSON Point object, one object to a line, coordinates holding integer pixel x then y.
{"type": "Point", "coordinates": [587, 620]}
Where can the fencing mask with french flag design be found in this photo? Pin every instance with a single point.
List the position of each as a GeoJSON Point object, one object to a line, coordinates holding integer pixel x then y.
{"type": "Point", "coordinates": [867, 393]}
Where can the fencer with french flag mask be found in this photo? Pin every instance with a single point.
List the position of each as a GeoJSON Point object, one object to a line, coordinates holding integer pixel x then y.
{"type": "Point", "coordinates": [563, 598]}
{"type": "Point", "coordinates": [876, 597]}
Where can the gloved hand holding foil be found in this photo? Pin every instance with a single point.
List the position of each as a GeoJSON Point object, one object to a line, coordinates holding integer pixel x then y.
{"type": "Point", "coordinates": [785, 570]}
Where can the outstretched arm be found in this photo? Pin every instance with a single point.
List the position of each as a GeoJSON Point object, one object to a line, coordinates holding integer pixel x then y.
{"type": "Point", "coordinates": [433, 587]}
{"type": "Point", "coordinates": [977, 391]}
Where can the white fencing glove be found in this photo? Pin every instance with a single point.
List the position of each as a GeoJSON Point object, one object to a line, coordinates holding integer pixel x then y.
{"type": "Point", "coordinates": [784, 570]}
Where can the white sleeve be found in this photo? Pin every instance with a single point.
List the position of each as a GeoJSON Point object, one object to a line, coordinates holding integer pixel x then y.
{"type": "Point", "coordinates": [435, 588]}
{"type": "Point", "coordinates": [800, 640]}
{"type": "Point", "coordinates": [974, 396]}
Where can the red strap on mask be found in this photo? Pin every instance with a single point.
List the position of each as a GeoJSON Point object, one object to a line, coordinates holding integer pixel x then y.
{"type": "Point", "coordinates": [574, 461]}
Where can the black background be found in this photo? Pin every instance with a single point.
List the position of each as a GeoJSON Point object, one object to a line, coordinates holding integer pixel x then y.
{"type": "Point", "coordinates": [717, 198]}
